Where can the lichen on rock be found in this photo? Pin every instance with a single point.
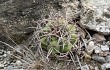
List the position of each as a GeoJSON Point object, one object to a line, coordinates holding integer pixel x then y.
{"type": "Point", "coordinates": [96, 15]}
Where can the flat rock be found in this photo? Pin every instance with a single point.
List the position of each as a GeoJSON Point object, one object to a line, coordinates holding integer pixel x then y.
{"type": "Point", "coordinates": [96, 15]}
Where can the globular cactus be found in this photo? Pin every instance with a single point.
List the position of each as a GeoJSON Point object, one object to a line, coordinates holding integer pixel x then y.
{"type": "Point", "coordinates": [58, 35]}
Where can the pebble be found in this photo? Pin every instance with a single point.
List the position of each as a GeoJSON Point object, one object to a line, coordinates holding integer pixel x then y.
{"type": "Point", "coordinates": [9, 68]}
{"type": "Point", "coordinates": [105, 66]}
{"type": "Point", "coordinates": [99, 37]}
{"type": "Point", "coordinates": [86, 67]}
{"type": "Point", "coordinates": [97, 49]}
{"type": "Point", "coordinates": [104, 54]}
{"type": "Point", "coordinates": [108, 66]}
{"type": "Point", "coordinates": [90, 47]}
{"type": "Point", "coordinates": [1, 52]}
{"type": "Point", "coordinates": [98, 58]}
{"type": "Point", "coordinates": [8, 52]}
{"type": "Point", "coordinates": [107, 58]}
{"type": "Point", "coordinates": [1, 66]}
{"type": "Point", "coordinates": [96, 68]}
{"type": "Point", "coordinates": [105, 48]}
{"type": "Point", "coordinates": [4, 55]}
{"type": "Point", "coordinates": [18, 63]}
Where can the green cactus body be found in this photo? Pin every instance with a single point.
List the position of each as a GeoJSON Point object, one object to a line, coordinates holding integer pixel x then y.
{"type": "Point", "coordinates": [67, 41]}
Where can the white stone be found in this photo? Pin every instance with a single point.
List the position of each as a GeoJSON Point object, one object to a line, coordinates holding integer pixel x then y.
{"type": "Point", "coordinates": [104, 48]}
{"type": "Point", "coordinates": [90, 47]}
{"type": "Point", "coordinates": [96, 68]}
{"type": "Point", "coordinates": [105, 66]}
{"type": "Point", "coordinates": [1, 65]}
{"type": "Point", "coordinates": [18, 63]}
{"type": "Point", "coordinates": [4, 55]}
{"type": "Point", "coordinates": [97, 49]}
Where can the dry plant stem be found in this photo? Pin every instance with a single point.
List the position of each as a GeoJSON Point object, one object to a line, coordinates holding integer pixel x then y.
{"type": "Point", "coordinates": [30, 52]}
{"type": "Point", "coordinates": [11, 47]}
{"type": "Point", "coordinates": [40, 51]}
{"type": "Point", "coordinates": [49, 52]}
{"type": "Point", "coordinates": [72, 57]}
{"type": "Point", "coordinates": [19, 46]}
{"type": "Point", "coordinates": [48, 64]}
{"type": "Point", "coordinates": [12, 40]}
{"type": "Point", "coordinates": [20, 59]}
{"type": "Point", "coordinates": [88, 33]}
{"type": "Point", "coordinates": [24, 47]}
{"type": "Point", "coordinates": [84, 42]}
{"type": "Point", "coordinates": [78, 61]}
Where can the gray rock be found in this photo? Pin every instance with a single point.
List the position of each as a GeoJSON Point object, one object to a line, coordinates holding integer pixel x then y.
{"type": "Point", "coordinates": [107, 58]}
{"type": "Point", "coordinates": [96, 68]}
{"type": "Point", "coordinates": [97, 50]}
{"type": "Point", "coordinates": [98, 58]}
{"type": "Point", "coordinates": [1, 66]}
{"type": "Point", "coordinates": [99, 37]}
{"type": "Point", "coordinates": [96, 15]}
{"type": "Point", "coordinates": [18, 63]}
{"type": "Point", "coordinates": [105, 66]}
{"type": "Point", "coordinates": [105, 48]}
{"type": "Point", "coordinates": [10, 68]}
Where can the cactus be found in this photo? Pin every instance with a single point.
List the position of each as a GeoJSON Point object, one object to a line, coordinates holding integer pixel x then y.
{"type": "Point", "coordinates": [59, 35]}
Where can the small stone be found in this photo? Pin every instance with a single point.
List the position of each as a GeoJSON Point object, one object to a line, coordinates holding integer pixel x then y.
{"type": "Point", "coordinates": [104, 54]}
{"type": "Point", "coordinates": [86, 67]}
{"type": "Point", "coordinates": [107, 58]}
{"type": "Point", "coordinates": [108, 43]}
{"type": "Point", "coordinates": [1, 66]}
{"type": "Point", "coordinates": [8, 52]}
{"type": "Point", "coordinates": [99, 37]}
{"type": "Point", "coordinates": [98, 58]}
{"type": "Point", "coordinates": [96, 68]}
{"type": "Point", "coordinates": [90, 47]}
{"type": "Point", "coordinates": [9, 68]}
{"type": "Point", "coordinates": [4, 55]}
{"type": "Point", "coordinates": [105, 48]}
{"type": "Point", "coordinates": [91, 67]}
{"type": "Point", "coordinates": [105, 66]}
{"type": "Point", "coordinates": [18, 63]}
{"type": "Point", "coordinates": [108, 66]}
{"type": "Point", "coordinates": [1, 52]}
{"type": "Point", "coordinates": [97, 49]}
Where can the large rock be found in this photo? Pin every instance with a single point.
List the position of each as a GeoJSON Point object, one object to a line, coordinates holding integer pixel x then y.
{"type": "Point", "coordinates": [96, 15]}
{"type": "Point", "coordinates": [17, 15]}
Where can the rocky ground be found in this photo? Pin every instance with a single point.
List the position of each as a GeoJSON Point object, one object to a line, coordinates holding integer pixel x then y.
{"type": "Point", "coordinates": [18, 22]}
